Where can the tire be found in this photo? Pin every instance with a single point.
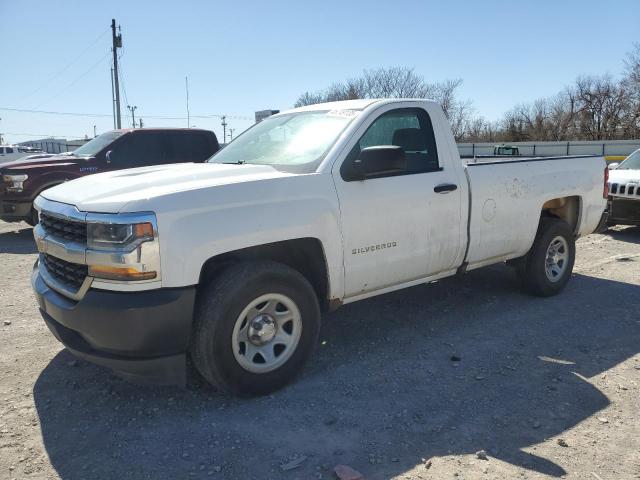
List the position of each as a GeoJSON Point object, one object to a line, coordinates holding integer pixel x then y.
{"type": "Point", "coordinates": [532, 270]}
{"type": "Point", "coordinates": [33, 219]}
{"type": "Point", "coordinates": [223, 312]}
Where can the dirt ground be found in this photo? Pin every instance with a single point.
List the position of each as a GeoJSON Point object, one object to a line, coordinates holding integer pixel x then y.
{"type": "Point", "coordinates": [409, 385]}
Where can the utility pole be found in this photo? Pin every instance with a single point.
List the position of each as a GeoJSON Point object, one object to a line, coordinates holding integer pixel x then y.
{"type": "Point", "coordinates": [113, 101]}
{"type": "Point", "coordinates": [224, 129]}
{"type": "Point", "coordinates": [117, 43]}
{"type": "Point", "coordinates": [231, 130]}
{"type": "Point", "coordinates": [133, 115]}
{"type": "Point", "coordinates": [140, 122]}
{"type": "Point", "coordinates": [94, 132]}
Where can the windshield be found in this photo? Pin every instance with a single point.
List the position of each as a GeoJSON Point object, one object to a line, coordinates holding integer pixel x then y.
{"type": "Point", "coordinates": [632, 162]}
{"type": "Point", "coordinates": [295, 142]}
{"type": "Point", "coordinates": [92, 147]}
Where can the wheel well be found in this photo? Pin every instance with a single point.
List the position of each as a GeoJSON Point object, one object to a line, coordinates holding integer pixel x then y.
{"type": "Point", "coordinates": [305, 255]}
{"type": "Point", "coordinates": [565, 208]}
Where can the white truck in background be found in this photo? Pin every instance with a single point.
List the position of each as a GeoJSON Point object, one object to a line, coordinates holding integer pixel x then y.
{"type": "Point", "coordinates": [624, 191]}
{"type": "Point", "coordinates": [231, 262]}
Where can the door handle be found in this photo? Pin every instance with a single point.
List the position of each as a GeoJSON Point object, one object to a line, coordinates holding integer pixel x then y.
{"type": "Point", "coordinates": [445, 188]}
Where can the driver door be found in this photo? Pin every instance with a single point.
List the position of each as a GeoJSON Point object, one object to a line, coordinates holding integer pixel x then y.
{"type": "Point", "coordinates": [395, 227]}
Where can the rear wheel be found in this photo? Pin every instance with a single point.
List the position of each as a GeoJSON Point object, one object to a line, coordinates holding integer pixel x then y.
{"type": "Point", "coordinates": [547, 268]}
{"type": "Point", "coordinates": [255, 327]}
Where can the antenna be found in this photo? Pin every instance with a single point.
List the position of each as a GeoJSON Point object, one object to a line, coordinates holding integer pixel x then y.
{"type": "Point", "coordinates": [186, 86]}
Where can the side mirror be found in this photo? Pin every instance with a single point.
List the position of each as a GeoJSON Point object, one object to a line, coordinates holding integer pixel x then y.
{"type": "Point", "coordinates": [108, 156]}
{"type": "Point", "coordinates": [614, 165]}
{"type": "Point", "coordinates": [379, 160]}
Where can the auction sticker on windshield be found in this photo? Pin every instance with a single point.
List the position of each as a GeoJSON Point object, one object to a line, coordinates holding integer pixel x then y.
{"type": "Point", "coordinates": [343, 113]}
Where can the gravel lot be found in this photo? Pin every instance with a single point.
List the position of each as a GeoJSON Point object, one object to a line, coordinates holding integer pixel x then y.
{"type": "Point", "coordinates": [407, 385]}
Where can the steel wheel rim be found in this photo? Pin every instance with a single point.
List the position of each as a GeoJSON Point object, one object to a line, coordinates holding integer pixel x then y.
{"type": "Point", "coordinates": [557, 258]}
{"type": "Point", "coordinates": [266, 333]}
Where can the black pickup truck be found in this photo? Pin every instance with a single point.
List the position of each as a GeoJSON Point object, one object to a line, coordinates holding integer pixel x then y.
{"type": "Point", "coordinates": [23, 180]}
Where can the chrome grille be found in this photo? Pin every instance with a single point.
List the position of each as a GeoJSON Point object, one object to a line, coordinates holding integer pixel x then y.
{"type": "Point", "coordinates": [70, 274]}
{"type": "Point", "coordinates": [631, 189]}
{"type": "Point", "coordinates": [63, 228]}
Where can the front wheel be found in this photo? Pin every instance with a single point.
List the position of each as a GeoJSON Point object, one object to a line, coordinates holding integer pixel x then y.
{"type": "Point", "coordinates": [33, 217]}
{"type": "Point", "coordinates": [255, 327]}
{"type": "Point", "coordinates": [546, 269]}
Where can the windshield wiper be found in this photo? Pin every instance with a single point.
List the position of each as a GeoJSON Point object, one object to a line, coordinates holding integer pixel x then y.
{"type": "Point", "coordinates": [239, 162]}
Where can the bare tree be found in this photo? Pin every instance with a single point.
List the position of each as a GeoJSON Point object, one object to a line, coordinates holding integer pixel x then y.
{"type": "Point", "coordinates": [394, 82]}
{"type": "Point", "coordinates": [562, 115]}
{"type": "Point", "coordinates": [398, 82]}
{"type": "Point", "coordinates": [602, 103]}
{"type": "Point", "coordinates": [631, 82]}
{"type": "Point", "coordinates": [309, 98]}
{"type": "Point", "coordinates": [478, 129]}
{"type": "Point", "coordinates": [592, 108]}
{"type": "Point", "coordinates": [632, 66]}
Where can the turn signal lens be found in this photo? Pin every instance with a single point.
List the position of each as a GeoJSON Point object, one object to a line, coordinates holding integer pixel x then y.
{"type": "Point", "coordinates": [143, 230]}
{"type": "Point", "coordinates": [119, 273]}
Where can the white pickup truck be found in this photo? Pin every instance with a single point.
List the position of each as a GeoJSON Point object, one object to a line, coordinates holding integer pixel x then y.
{"type": "Point", "coordinates": [231, 262]}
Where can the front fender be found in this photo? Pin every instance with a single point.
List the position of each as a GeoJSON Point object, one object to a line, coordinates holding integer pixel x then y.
{"type": "Point", "coordinates": [198, 225]}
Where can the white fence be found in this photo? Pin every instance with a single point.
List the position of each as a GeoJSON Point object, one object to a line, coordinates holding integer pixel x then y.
{"type": "Point", "coordinates": [612, 148]}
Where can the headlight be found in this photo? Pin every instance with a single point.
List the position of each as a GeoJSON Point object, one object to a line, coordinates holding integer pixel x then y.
{"type": "Point", "coordinates": [122, 251]}
{"type": "Point", "coordinates": [101, 235]}
{"type": "Point", "coordinates": [15, 183]}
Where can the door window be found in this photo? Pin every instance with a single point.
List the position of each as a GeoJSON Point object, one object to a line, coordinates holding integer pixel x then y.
{"type": "Point", "coordinates": [140, 149]}
{"type": "Point", "coordinates": [409, 128]}
{"type": "Point", "coordinates": [189, 147]}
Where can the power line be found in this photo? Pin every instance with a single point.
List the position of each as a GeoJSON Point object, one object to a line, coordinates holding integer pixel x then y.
{"type": "Point", "coordinates": [80, 77]}
{"type": "Point", "coordinates": [65, 68]}
{"type": "Point", "coordinates": [124, 88]}
{"type": "Point", "coordinates": [43, 135]}
{"type": "Point", "coordinates": [159, 117]}
{"type": "Point", "coordinates": [21, 110]}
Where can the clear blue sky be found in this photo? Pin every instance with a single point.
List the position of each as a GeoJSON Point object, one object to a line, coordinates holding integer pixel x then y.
{"type": "Point", "coordinates": [242, 56]}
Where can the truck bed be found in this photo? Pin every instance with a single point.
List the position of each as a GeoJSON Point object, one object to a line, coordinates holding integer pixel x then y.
{"type": "Point", "coordinates": [507, 197]}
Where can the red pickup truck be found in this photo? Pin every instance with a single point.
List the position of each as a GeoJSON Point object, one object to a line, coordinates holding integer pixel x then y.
{"type": "Point", "coordinates": [23, 180]}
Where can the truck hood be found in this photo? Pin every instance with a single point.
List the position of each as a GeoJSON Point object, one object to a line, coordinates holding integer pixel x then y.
{"type": "Point", "coordinates": [111, 192]}
{"type": "Point", "coordinates": [27, 164]}
{"type": "Point", "coordinates": [627, 176]}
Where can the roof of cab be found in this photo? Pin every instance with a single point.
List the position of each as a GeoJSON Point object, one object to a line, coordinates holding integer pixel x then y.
{"type": "Point", "coordinates": [163, 129]}
{"type": "Point", "coordinates": [359, 104]}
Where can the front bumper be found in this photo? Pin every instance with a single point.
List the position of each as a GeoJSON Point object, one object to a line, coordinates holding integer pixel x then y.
{"type": "Point", "coordinates": [14, 211]}
{"type": "Point", "coordinates": [141, 335]}
{"type": "Point", "coordinates": [623, 211]}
